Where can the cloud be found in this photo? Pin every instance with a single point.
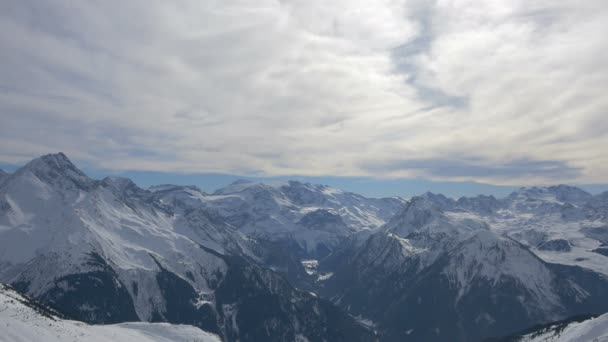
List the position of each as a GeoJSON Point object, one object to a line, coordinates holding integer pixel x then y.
{"type": "Point", "coordinates": [311, 87]}
{"type": "Point", "coordinates": [522, 171]}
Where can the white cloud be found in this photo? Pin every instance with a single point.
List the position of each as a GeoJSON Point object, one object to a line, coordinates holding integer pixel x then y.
{"type": "Point", "coordinates": [311, 87]}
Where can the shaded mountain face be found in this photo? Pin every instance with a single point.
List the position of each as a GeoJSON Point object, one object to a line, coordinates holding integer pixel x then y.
{"type": "Point", "coordinates": [107, 252]}
{"type": "Point", "coordinates": [25, 319]}
{"type": "Point", "coordinates": [431, 274]}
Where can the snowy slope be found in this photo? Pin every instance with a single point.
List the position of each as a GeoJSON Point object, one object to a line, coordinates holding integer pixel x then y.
{"type": "Point", "coordinates": [591, 329]}
{"type": "Point", "coordinates": [23, 320]}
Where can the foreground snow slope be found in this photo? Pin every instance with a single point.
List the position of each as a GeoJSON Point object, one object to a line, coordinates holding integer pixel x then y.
{"type": "Point", "coordinates": [593, 329]}
{"type": "Point", "coordinates": [23, 320]}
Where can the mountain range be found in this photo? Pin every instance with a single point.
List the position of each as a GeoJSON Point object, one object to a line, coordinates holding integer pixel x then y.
{"type": "Point", "coordinates": [292, 261]}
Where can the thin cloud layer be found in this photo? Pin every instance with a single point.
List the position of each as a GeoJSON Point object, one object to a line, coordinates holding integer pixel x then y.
{"type": "Point", "coordinates": [505, 92]}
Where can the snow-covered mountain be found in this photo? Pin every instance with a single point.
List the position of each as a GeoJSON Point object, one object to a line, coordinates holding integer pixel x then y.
{"type": "Point", "coordinates": [449, 270]}
{"type": "Point", "coordinates": [24, 319]}
{"type": "Point", "coordinates": [107, 251]}
{"type": "Point", "coordinates": [561, 224]}
{"type": "Point", "coordinates": [430, 268]}
{"type": "Point", "coordinates": [315, 217]}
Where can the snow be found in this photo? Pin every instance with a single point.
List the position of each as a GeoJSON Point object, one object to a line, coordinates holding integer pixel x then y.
{"type": "Point", "coordinates": [594, 329]}
{"type": "Point", "coordinates": [365, 321]}
{"type": "Point", "coordinates": [310, 266]}
{"type": "Point", "coordinates": [407, 247]}
{"type": "Point", "coordinates": [20, 323]}
{"type": "Point", "coordinates": [325, 276]}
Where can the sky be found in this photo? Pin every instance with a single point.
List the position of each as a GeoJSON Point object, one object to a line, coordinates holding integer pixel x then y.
{"type": "Point", "coordinates": [381, 95]}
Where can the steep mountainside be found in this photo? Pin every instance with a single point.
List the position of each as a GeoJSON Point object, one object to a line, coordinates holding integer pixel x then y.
{"type": "Point", "coordinates": [24, 319]}
{"type": "Point", "coordinates": [435, 275]}
{"type": "Point", "coordinates": [107, 252]}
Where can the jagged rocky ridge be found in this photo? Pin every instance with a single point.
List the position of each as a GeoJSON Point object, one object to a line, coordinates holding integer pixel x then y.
{"type": "Point", "coordinates": [107, 251]}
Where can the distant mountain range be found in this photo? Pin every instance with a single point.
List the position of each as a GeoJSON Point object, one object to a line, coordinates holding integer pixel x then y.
{"type": "Point", "coordinates": [294, 261]}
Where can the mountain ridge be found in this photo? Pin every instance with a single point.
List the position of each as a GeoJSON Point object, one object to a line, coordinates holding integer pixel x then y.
{"type": "Point", "coordinates": [365, 268]}
{"type": "Point", "coordinates": [108, 252]}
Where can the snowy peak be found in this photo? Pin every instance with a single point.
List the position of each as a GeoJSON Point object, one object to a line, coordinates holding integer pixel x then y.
{"type": "Point", "coordinates": [420, 213]}
{"type": "Point", "coordinates": [295, 191]}
{"type": "Point", "coordinates": [557, 193]}
{"type": "Point", "coordinates": [316, 217]}
{"type": "Point", "coordinates": [241, 185]}
{"type": "Point", "coordinates": [285, 202]}
{"type": "Point", "coordinates": [438, 200]}
{"type": "Point", "coordinates": [423, 216]}
{"type": "Point", "coordinates": [57, 170]}
{"type": "Point", "coordinates": [481, 204]}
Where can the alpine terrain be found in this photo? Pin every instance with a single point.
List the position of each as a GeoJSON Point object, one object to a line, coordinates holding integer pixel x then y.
{"type": "Point", "coordinates": [108, 252]}
{"type": "Point", "coordinates": [293, 261]}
